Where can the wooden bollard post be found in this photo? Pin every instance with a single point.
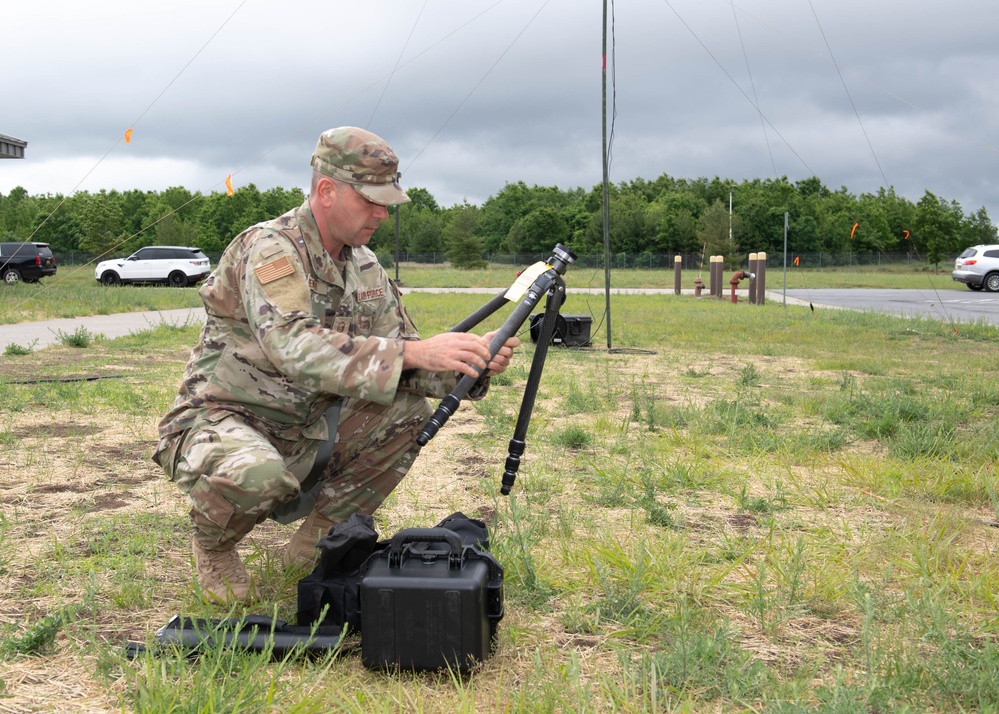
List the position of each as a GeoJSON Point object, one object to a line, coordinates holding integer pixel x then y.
{"type": "Point", "coordinates": [712, 275]}
{"type": "Point", "coordinates": [677, 265]}
{"type": "Point", "coordinates": [752, 281]}
{"type": "Point", "coordinates": [761, 278]}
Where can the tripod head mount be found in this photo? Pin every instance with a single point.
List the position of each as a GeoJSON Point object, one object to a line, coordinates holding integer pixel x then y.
{"type": "Point", "coordinates": [561, 258]}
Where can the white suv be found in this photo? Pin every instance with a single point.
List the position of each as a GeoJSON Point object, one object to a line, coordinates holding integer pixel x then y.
{"type": "Point", "coordinates": [175, 265]}
{"type": "Point", "coordinates": [978, 267]}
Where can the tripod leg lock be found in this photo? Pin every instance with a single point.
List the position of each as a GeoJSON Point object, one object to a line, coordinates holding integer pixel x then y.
{"type": "Point", "coordinates": [447, 408]}
{"type": "Point", "coordinates": [512, 465]}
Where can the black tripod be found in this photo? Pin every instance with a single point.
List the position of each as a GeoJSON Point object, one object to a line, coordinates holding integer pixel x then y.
{"type": "Point", "coordinates": [547, 280]}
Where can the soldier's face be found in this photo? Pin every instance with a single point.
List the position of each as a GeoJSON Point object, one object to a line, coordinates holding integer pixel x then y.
{"type": "Point", "coordinates": [350, 218]}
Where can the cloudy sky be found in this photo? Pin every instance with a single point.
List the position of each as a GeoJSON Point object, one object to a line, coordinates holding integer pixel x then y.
{"type": "Point", "coordinates": [474, 94]}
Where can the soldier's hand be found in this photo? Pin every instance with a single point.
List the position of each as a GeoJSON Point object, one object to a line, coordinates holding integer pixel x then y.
{"type": "Point", "coordinates": [502, 358]}
{"type": "Point", "coordinates": [447, 352]}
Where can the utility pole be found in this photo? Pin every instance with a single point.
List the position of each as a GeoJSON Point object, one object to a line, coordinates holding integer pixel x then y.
{"type": "Point", "coordinates": [785, 258]}
{"type": "Point", "coordinates": [730, 242]}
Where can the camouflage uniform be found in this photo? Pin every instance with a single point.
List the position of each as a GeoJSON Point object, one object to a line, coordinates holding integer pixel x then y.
{"type": "Point", "coordinates": [289, 331]}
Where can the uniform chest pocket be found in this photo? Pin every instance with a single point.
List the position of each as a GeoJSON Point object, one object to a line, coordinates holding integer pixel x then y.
{"type": "Point", "coordinates": [355, 318]}
{"type": "Point", "coordinates": [323, 308]}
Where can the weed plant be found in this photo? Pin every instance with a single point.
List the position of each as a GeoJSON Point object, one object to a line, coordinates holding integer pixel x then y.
{"type": "Point", "coordinates": [756, 509]}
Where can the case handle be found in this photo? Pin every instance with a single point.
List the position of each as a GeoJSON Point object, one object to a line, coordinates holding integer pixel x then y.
{"type": "Point", "coordinates": [425, 535]}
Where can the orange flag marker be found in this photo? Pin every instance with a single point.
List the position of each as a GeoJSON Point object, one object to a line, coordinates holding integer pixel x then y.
{"type": "Point", "coordinates": [128, 136]}
{"type": "Point", "coordinates": [228, 184]}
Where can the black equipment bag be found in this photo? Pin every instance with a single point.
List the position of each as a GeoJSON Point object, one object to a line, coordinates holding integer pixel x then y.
{"type": "Point", "coordinates": [432, 599]}
{"type": "Point", "coordinates": [328, 596]}
{"type": "Point", "coordinates": [330, 606]}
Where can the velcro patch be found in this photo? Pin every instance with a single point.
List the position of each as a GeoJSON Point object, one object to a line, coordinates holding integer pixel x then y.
{"type": "Point", "coordinates": [269, 272]}
{"type": "Point", "coordinates": [373, 294]}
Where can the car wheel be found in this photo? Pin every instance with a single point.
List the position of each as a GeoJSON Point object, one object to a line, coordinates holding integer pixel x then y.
{"type": "Point", "coordinates": [177, 279]}
{"type": "Point", "coordinates": [109, 277]}
{"type": "Point", "coordinates": [991, 282]}
{"type": "Point", "coordinates": [11, 276]}
{"type": "Point", "coordinates": [976, 288]}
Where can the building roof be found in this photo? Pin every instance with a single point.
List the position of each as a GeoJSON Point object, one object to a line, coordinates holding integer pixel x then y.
{"type": "Point", "coordinates": [11, 148]}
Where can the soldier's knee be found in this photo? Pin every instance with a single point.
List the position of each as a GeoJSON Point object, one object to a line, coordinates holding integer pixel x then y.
{"type": "Point", "coordinates": [269, 481]}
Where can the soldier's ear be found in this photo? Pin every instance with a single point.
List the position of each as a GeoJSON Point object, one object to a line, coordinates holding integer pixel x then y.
{"type": "Point", "coordinates": [327, 189]}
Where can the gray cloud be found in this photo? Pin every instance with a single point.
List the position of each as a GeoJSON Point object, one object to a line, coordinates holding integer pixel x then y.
{"type": "Point", "coordinates": [492, 92]}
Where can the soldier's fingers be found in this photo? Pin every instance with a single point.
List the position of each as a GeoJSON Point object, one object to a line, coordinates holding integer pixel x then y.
{"type": "Point", "coordinates": [478, 346]}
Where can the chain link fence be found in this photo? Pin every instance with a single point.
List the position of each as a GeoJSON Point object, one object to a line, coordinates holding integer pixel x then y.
{"type": "Point", "coordinates": [647, 261]}
{"type": "Point", "coordinates": [689, 261]}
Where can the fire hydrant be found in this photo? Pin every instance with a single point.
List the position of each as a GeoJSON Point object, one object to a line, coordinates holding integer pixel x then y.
{"type": "Point", "coordinates": [734, 282]}
{"type": "Point", "coordinates": [698, 286]}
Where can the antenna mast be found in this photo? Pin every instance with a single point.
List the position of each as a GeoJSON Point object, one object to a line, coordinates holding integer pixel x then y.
{"type": "Point", "coordinates": [606, 191]}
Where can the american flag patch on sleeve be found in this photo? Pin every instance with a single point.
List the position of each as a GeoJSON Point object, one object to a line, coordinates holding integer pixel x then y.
{"type": "Point", "coordinates": [269, 272]}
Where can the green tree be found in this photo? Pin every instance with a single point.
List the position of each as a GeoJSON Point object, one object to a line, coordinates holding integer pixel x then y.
{"type": "Point", "coordinates": [836, 214]}
{"type": "Point", "coordinates": [977, 229]}
{"type": "Point", "coordinates": [464, 246]}
{"type": "Point", "coordinates": [58, 224]}
{"type": "Point", "coordinates": [420, 226]}
{"type": "Point", "coordinates": [18, 213]}
{"type": "Point", "coordinates": [102, 225]}
{"type": "Point", "coordinates": [713, 233]}
{"type": "Point", "coordinates": [135, 213]}
{"type": "Point", "coordinates": [537, 232]}
{"type": "Point", "coordinates": [873, 234]}
{"type": "Point", "coordinates": [935, 227]}
{"type": "Point", "coordinates": [501, 211]}
{"type": "Point", "coordinates": [423, 199]}
{"type": "Point", "coordinates": [899, 213]}
{"type": "Point", "coordinates": [802, 235]}
{"type": "Point", "coordinates": [630, 231]}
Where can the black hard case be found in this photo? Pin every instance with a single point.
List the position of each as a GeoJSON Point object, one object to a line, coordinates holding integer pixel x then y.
{"type": "Point", "coordinates": [428, 608]}
{"type": "Point", "coordinates": [570, 330]}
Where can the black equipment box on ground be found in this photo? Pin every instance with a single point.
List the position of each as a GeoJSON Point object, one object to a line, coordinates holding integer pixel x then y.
{"type": "Point", "coordinates": [570, 330]}
{"type": "Point", "coordinates": [429, 602]}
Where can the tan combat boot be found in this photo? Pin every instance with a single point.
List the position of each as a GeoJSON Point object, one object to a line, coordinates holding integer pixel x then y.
{"type": "Point", "coordinates": [301, 551]}
{"type": "Point", "coordinates": [221, 574]}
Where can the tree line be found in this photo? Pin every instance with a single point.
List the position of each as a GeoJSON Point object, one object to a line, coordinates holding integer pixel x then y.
{"type": "Point", "coordinates": [666, 216]}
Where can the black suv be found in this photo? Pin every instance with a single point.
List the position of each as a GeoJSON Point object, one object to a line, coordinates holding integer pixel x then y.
{"type": "Point", "coordinates": [25, 261]}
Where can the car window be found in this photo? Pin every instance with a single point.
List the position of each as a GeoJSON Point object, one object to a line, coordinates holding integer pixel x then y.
{"type": "Point", "coordinates": [189, 253]}
{"type": "Point", "coordinates": [11, 249]}
{"type": "Point", "coordinates": [968, 253]}
{"type": "Point", "coordinates": [45, 251]}
{"type": "Point", "coordinates": [142, 254]}
{"type": "Point", "coordinates": [994, 253]}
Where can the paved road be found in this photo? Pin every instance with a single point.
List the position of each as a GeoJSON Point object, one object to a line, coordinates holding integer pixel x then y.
{"type": "Point", "coordinates": [944, 304]}
{"type": "Point", "coordinates": [947, 305]}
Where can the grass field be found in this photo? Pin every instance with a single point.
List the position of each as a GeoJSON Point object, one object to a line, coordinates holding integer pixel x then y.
{"type": "Point", "coordinates": [73, 291]}
{"type": "Point", "coordinates": [745, 509]}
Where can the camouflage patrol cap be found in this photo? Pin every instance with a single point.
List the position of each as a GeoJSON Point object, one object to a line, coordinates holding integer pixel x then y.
{"type": "Point", "coordinates": [363, 160]}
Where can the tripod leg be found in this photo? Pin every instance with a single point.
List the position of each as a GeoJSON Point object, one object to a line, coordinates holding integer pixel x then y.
{"type": "Point", "coordinates": [518, 443]}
